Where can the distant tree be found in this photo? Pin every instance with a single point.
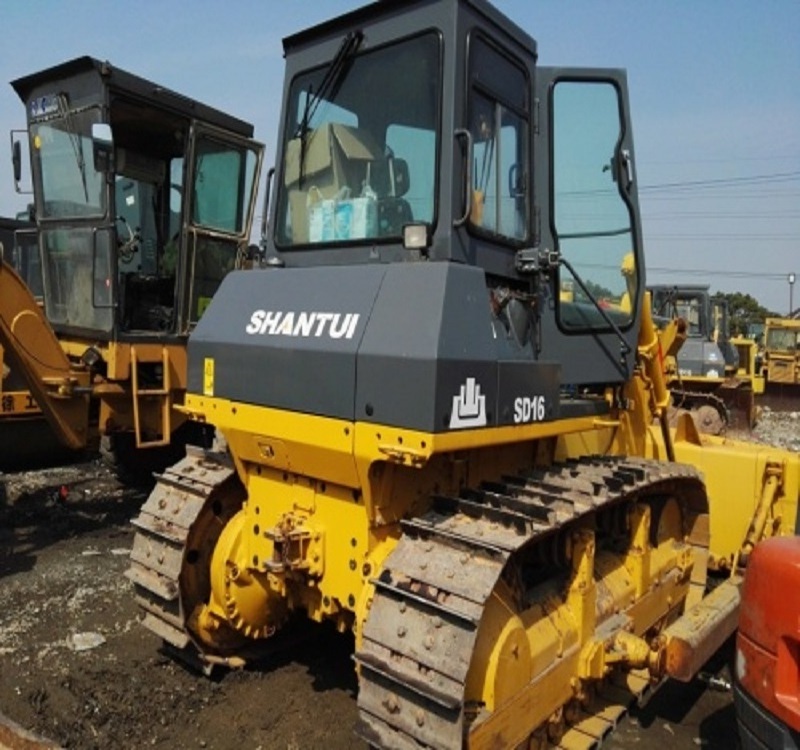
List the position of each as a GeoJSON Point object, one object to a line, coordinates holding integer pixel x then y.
{"type": "Point", "coordinates": [598, 291]}
{"type": "Point", "coordinates": [744, 310]}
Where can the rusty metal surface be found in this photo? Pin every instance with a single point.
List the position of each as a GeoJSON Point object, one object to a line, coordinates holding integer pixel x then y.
{"type": "Point", "coordinates": [692, 640]}
{"type": "Point", "coordinates": [163, 527]}
{"type": "Point", "coordinates": [419, 638]}
{"type": "Point", "coordinates": [710, 413]}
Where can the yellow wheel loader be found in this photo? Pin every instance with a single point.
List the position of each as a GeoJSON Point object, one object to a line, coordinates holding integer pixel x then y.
{"type": "Point", "coordinates": [427, 442]}
{"type": "Point", "coordinates": [143, 200]}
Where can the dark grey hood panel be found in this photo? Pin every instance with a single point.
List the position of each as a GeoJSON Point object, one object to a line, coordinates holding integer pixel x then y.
{"type": "Point", "coordinates": [699, 357]}
{"type": "Point", "coordinates": [286, 338]}
{"type": "Point", "coordinates": [408, 345]}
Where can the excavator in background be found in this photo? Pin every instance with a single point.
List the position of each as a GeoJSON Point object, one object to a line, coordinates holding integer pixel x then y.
{"type": "Point", "coordinates": [712, 376]}
{"type": "Point", "coordinates": [143, 200]}
{"type": "Point", "coordinates": [435, 446]}
{"type": "Point", "coordinates": [25, 436]}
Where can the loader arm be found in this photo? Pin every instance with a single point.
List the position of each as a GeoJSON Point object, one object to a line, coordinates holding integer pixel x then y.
{"type": "Point", "coordinates": [60, 389]}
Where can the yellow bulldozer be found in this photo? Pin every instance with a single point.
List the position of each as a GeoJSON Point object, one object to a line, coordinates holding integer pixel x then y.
{"type": "Point", "coordinates": [143, 200]}
{"type": "Point", "coordinates": [714, 375]}
{"type": "Point", "coordinates": [781, 362]}
{"type": "Point", "coordinates": [428, 442]}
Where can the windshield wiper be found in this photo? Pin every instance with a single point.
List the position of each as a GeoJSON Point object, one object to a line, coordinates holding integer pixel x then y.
{"type": "Point", "coordinates": [334, 75]}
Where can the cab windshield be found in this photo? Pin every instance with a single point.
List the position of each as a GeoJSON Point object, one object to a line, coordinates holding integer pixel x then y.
{"type": "Point", "coordinates": [360, 147]}
{"type": "Point", "coordinates": [62, 149]}
{"type": "Point", "coordinates": [783, 339]}
{"type": "Point", "coordinates": [690, 311]}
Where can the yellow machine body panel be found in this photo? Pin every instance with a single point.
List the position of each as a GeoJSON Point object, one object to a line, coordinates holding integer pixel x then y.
{"type": "Point", "coordinates": [14, 401]}
{"type": "Point", "coordinates": [747, 350]}
{"type": "Point", "coordinates": [35, 354]}
{"type": "Point", "coordinates": [782, 351]}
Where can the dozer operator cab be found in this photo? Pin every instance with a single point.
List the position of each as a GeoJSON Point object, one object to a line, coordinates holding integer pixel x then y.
{"type": "Point", "coordinates": [692, 303]}
{"type": "Point", "coordinates": [720, 314]}
{"type": "Point", "coordinates": [426, 133]}
{"type": "Point", "coordinates": [782, 351]}
{"type": "Point", "coordinates": [707, 351]}
{"type": "Point", "coordinates": [142, 199]}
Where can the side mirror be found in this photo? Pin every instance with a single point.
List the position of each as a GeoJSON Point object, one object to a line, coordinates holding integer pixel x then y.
{"type": "Point", "coordinates": [16, 160]}
{"type": "Point", "coordinates": [102, 147]}
{"type": "Point", "coordinates": [21, 171]}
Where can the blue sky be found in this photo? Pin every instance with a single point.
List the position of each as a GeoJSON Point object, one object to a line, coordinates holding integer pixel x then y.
{"type": "Point", "coordinates": [715, 94]}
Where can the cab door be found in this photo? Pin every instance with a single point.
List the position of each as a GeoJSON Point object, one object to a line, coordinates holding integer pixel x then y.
{"type": "Point", "coordinates": [589, 236]}
{"type": "Point", "coordinates": [221, 179]}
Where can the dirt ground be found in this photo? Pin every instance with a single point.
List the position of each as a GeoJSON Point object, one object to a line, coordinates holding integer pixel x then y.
{"type": "Point", "coordinates": [76, 668]}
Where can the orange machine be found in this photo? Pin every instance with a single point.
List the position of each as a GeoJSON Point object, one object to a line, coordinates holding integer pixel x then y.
{"type": "Point", "coordinates": [767, 686]}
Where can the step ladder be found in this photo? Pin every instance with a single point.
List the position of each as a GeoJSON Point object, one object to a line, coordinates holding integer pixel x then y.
{"type": "Point", "coordinates": [162, 394]}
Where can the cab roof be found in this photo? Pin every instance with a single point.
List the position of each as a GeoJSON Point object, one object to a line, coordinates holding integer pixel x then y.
{"type": "Point", "coordinates": [113, 78]}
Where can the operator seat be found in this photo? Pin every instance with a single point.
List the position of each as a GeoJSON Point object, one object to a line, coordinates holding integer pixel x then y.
{"type": "Point", "coordinates": [389, 178]}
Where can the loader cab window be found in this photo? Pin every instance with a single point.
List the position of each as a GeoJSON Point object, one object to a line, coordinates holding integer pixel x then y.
{"type": "Point", "coordinates": [498, 107]}
{"type": "Point", "coordinates": [146, 273]}
{"type": "Point", "coordinates": [25, 260]}
{"type": "Point", "coordinates": [69, 186]}
{"type": "Point", "coordinates": [223, 183]}
{"type": "Point", "coordinates": [360, 147]}
{"type": "Point", "coordinates": [592, 222]}
{"type": "Point", "coordinates": [77, 278]}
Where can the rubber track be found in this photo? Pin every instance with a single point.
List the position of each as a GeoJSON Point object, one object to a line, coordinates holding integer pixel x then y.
{"type": "Point", "coordinates": [422, 627]}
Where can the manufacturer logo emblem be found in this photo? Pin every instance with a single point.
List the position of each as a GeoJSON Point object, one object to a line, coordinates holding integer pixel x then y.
{"type": "Point", "coordinates": [303, 324]}
{"type": "Point", "coordinates": [469, 406]}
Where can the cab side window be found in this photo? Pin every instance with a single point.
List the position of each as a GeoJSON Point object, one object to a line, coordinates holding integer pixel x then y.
{"type": "Point", "coordinates": [498, 122]}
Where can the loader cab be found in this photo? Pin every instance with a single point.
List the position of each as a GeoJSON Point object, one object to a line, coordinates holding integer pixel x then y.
{"type": "Point", "coordinates": [142, 200]}
{"type": "Point", "coordinates": [426, 132]}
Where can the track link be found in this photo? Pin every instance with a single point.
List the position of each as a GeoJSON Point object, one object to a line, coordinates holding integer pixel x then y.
{"type": "Point", "coordinates": [163, 544]}
{"type": "Point", "coordinates": [422, 628]}
{"type": "Point", "coordinates": [711, 413]}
